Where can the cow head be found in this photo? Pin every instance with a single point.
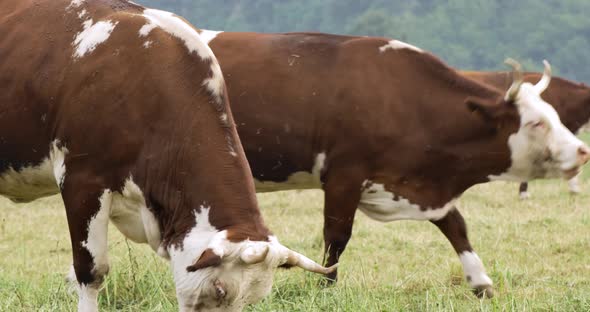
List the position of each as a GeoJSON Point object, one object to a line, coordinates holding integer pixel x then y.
{"type": "Point", "coordinates": [213, 273]}
{"type": "Point", "coordinates": [542, 147]}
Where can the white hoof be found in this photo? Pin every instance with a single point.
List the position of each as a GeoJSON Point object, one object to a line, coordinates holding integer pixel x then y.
{"type": "Point", "coordinates": [524, 195]}
{"type": "Point", "coordinates": [574, 185]}
{"type": "Point", "coordinates": [575, 190]}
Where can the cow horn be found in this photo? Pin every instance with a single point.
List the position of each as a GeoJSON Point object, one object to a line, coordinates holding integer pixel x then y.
{"type": "Point", "coordinates": [517, 79]}
{"type": "Point", "coordinates": [254, 254]}
{"type": "Point", "coordinates": [542, 85]}
{"type": "Point", "coordinates": [297, 259]}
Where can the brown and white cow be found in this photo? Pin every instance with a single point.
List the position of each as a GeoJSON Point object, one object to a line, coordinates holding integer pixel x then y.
{"type": "Point", "coordinates": [571, 100]}
{"type": "Point", "coordinates": [384, 127]}
{"type": "Point", "coordinates": [123, 110]}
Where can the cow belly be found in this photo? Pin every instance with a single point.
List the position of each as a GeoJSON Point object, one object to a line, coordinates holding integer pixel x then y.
{"type": "Point", "coordinates": [382, 205]}
{"type": "Point", "coordinates": [301, 180]}
{"type": "Point", "coordinates": [297, 181]}
{"type": "Point", "coordinates": [29, 183]}
{"type": "Point", "coordinates": [131, 216]}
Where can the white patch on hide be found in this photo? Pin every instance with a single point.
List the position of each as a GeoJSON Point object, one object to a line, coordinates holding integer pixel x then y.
{"type": "Point", "coordinates": [178, 28]}
{"type": "Point", "coordinates": [396, 45]}
{"type": "Point", "coordinates": [129, 213]}
{"type": "Point", "coordinates": [146, 29]}
{"type": "Point", "coordinates": [474, 270]}
{"type": "Point", "coordinates": [195, 242]}
{"type": "Point", "coordinates": [298, 180]}
{"type": "Point", "coordinates": [379, 204]}
{"type": "Point", "coordinates": [57, 158]}
{"type": "Point", "coordinates": [82, 13]}
{"type": "Point", "coordinates": [96, 243]}
{"type": "Point", "coordinates": [97, 246]}
{"type": "Point", "coordinates": [75, 4]}
{"type": "Point", "coordinates": [91, 36]}
{"type": "Point", "coordinates": [190, 285]}
{"type": "Point", "coordinates": [208, 35]}
{"type": "Point", "coordinates": [34, 182]}
{"type": "Point", "coordinates": [193, 42]}
{"type": "Point", "coordinates": [28, 183]}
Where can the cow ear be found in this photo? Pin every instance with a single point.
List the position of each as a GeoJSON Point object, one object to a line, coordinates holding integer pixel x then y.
{"type": "Point", "coordinates": [208, 259]}
{"type": "Point", "coordinates": [286, 266]}
{"type": "Point", "coordinates": [488, 110]}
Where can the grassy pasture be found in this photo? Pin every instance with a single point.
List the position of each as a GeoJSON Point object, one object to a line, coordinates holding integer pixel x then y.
{"type": "Point", "coordinates": [537, 252]}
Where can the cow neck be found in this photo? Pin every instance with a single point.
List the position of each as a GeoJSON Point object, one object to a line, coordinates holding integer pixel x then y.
{"type": "Point", "coordinates": [188, 170]}
{"type": "Point", "coordinates": [571, 101]}
{"type": "Point", "coordinates": [457, 148]}
{"type": "Point", "coordinates": [478, 150]}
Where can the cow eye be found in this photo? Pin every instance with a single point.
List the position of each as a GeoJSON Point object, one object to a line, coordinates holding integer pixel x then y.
{"type": "Point", "coordinates": [539, 124]}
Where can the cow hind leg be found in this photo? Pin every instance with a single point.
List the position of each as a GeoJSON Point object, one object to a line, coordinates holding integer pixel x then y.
{"type": "Point", "coordinates": [87, 209]}
{"type": "Point", "coordinates": [341, 202]}
{"type": "Point", "coordinates": [454, 228]}
{"type": "Point", "coordinates": [523, 191]}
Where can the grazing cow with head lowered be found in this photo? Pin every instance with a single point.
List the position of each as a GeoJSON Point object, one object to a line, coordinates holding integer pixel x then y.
{"type": "Point", "coordinates": [384, 127]}
{"type": "Point", "coordinates": [571, 101]}
{"type": "Point", "coordinates": [123, 110]}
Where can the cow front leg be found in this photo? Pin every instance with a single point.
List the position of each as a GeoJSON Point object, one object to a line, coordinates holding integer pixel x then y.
{"type": "Point", "coordinates": [574, 185]}
{"type": "Point", "coordinates": [87, 209]}
{"type": "Point", "coordinates": [454, 228]}
{"type": "Point", "coordinates": [523, 192]}
{"type": "Point", "coordinates": [341, 201]}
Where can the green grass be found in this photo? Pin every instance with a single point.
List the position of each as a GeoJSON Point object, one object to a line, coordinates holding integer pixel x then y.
{"type": "Point", "coordinates": [537, 253]}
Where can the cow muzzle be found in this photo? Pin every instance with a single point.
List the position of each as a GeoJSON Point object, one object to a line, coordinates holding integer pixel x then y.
{"type": "Point", "coordinates": [582, 157]}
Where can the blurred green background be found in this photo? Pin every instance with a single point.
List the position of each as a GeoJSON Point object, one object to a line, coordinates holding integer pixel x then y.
{"type": "Point", "coordinates": [468, 34]}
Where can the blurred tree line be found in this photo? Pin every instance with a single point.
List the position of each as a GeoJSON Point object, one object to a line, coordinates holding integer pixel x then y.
{"type": "Point", "coordinates": [468, 34]}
